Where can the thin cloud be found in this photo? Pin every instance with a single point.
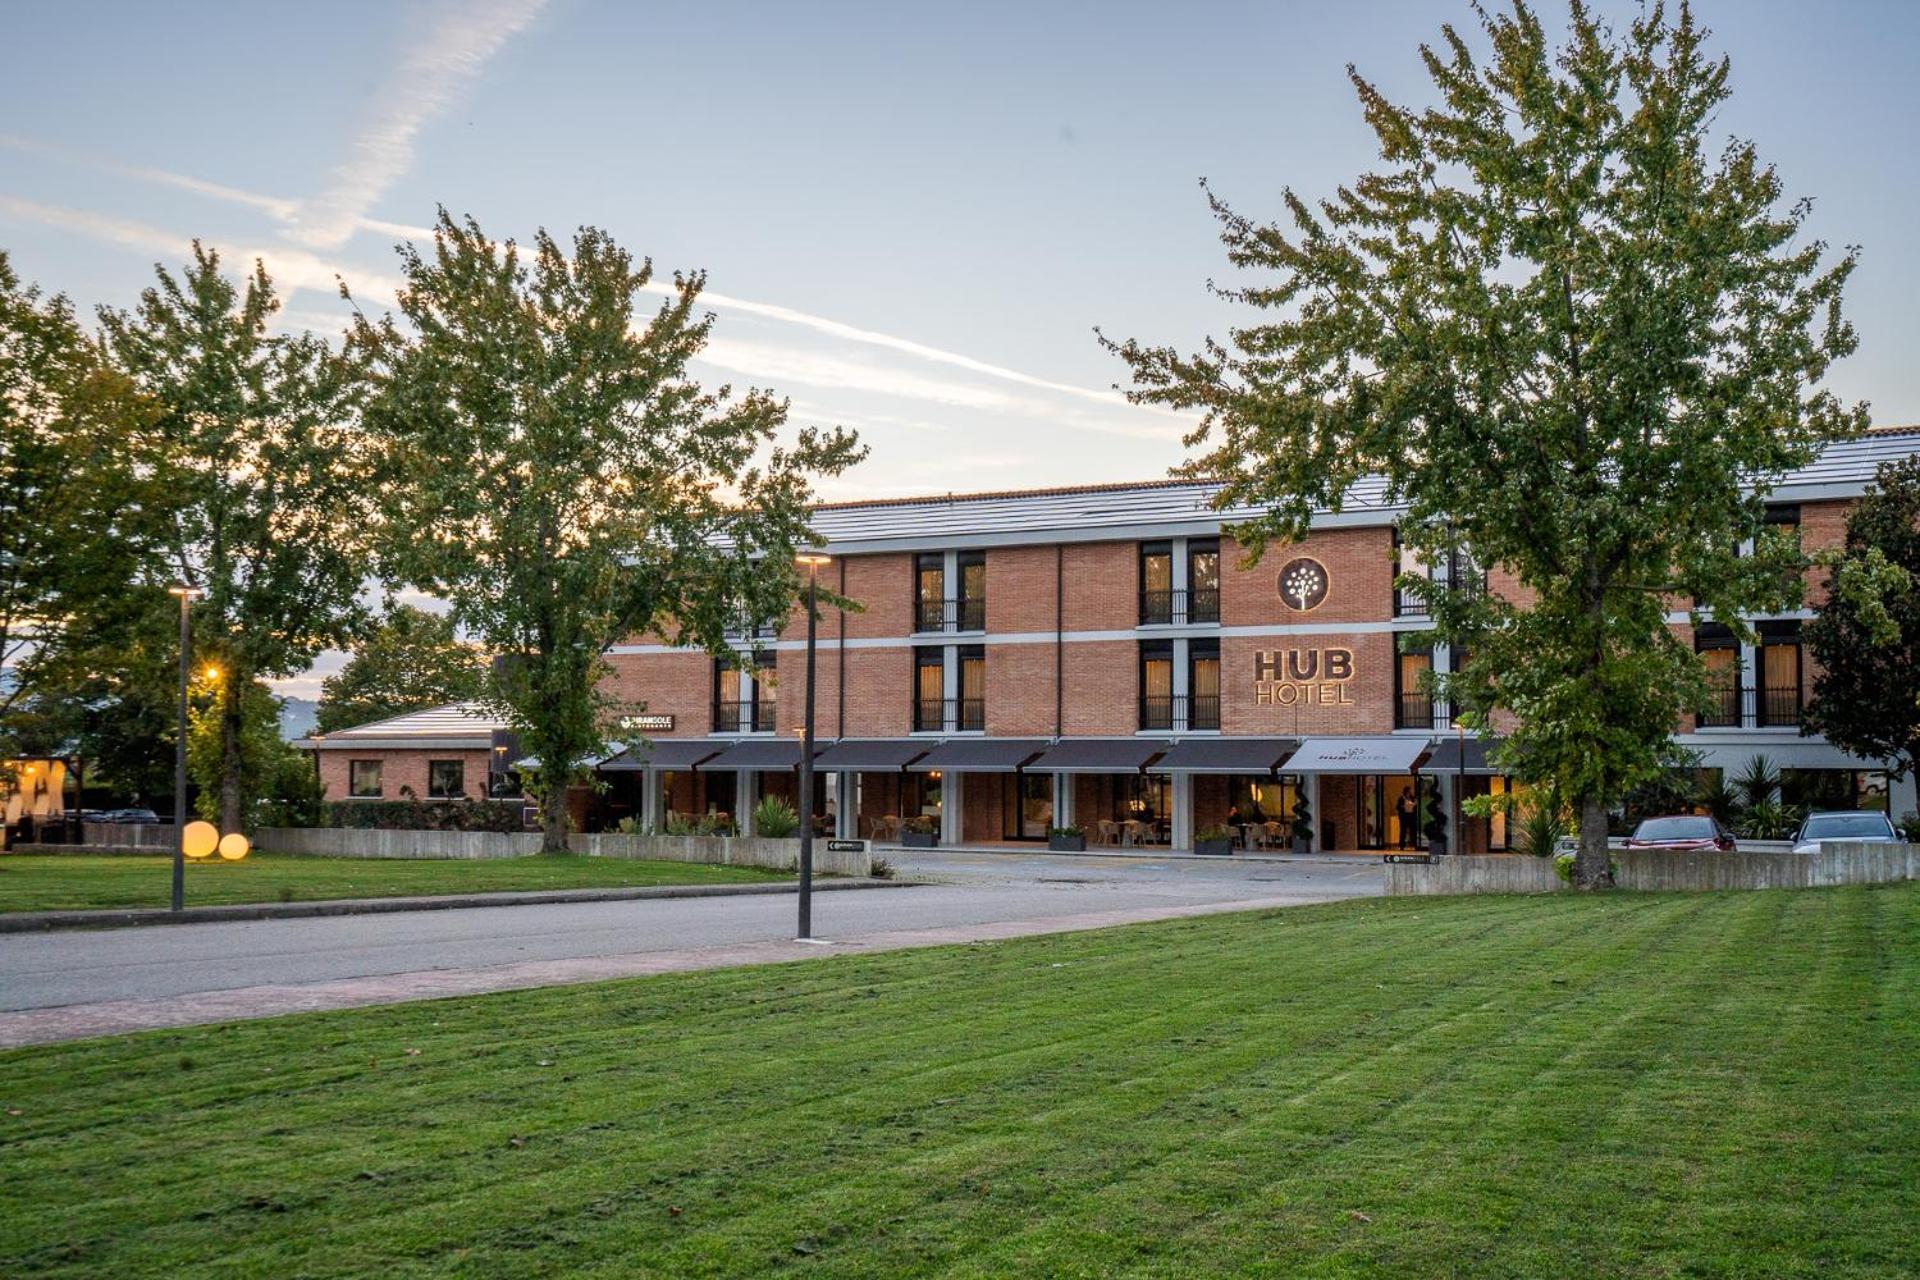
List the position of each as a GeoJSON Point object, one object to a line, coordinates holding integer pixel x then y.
{"type": "Point", "coordinates": [427, 81]}
{"type": "Point", "coordinates": [290, 268]}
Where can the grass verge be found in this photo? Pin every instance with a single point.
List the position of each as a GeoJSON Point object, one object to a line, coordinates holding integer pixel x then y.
{"type": "Point", "coordinates": [79, 882]}
{"type": "Point", "coordinates": [1626, 1085]}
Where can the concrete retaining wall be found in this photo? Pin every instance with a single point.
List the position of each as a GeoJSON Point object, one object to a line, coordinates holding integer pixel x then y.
{"type": "Point", "coordinates": [1654, 871]}
{"type": "Point", "coordinates": [734, 851]}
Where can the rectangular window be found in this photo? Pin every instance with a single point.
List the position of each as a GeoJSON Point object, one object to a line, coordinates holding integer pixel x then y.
{"type": "Point", "coordinates": [929, 690]}
{"type": "Point", "coordinates": [1464, 573]}
{"type": "Point", "coordinates": [446, 779]}
{"type": "Point", "coordinates": [740, 706]}
{"type": "Point", "coordinates": [1156, 583]}
{"type": "Point", "coordinates": [1203, 684]}
{"type": "Point", "coordinates": [766, 691]}
{"type": "Point", "coordinates": [973, 688]}
{"type": "Point", "coordinates": [1203, 580]}
{"type": "Point", "coordinates": [929, 591]}
{"type": "Point", "coordinates": [1720, 653]}
{"type": "Point", "coordinates": [1406, 604]}
{"type": "Point", "coordinates": [729, 714]}
{"type": "Point", "coordinates": [1156, 685]}
{"type": "Point", "coordinates": [1779, 692]}
{"type": "Point", "coordinates": [972, 605]}
{"type": "Point", "coordinates": [1413, 702]}
{"type": "Point", "coordinates": [363, 779]}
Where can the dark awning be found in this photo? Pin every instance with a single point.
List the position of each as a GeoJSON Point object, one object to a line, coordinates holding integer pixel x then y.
{"type": "Point", "coordinates": [664, 753]}
{"type": "Point", "coordinates": [756, 753]}
{"type": "Point", "coordinates": [875, 754]}
{"type": "Point", "coordinates": [1226, 755]}
{"type": "Point", "coordinates": [1358, 755]}
{"type": "Point", "coordinates": [980, 755]}
{"type": "Point", "coordinates": [1097, 755]}
{"type": "Point", "coordinates": [1446, 756]}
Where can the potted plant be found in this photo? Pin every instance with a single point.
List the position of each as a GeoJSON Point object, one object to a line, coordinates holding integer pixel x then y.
{"type": "Point", "coordinates": [1215, 840]}
{"type": "Point", "coordinates": [775, 819]}
{"type": "Point", "coordinates": [921, 831]}
{"type": "Point", "coordinates": [1066, 839]}
{"type": "Point", "coordinates": [1302, 825]}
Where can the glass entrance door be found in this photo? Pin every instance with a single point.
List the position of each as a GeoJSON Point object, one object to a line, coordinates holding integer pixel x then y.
{"type": "Point", "coordinates": [1390, 807]}
{"type": "Point", "coordinates": [1026, 808]}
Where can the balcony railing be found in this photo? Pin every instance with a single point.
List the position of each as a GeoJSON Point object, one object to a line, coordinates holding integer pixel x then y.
{"type": "Point", "coordinates": [744, 717]}
{"type": "Point", "coordinates": [1166, 713]}
{"type": "Point", "coordinates": [741, 629]}
{"type": "Point", "coordinates": [949, 715]}
{"type": "Point", "coordinates": [1780, 706]}
{"type": "Point", "coordinates": [1180, 608]}
{"type": "Point", "coordinates": [1413, 711]}
{"type": "Point", "coordinates": [969, 613]}
{"type": "Point", "coordinates": [1723, 709]}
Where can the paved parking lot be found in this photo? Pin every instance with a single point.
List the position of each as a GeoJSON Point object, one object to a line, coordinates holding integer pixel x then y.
{"type": "Point", "coordinates": [82, 981]}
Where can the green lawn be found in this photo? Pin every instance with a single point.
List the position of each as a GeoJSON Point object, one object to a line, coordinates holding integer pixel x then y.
{"type": "Point", "coordinates": [1631, 1085]}
{"type": "Point", "coordinates": [75, 882]}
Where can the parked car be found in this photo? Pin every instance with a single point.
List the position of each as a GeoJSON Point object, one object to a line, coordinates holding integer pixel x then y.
{"type": "Point", "coordinates": [1682, 833]}
{"type": "Point", "coordinates": [129, 816]}
{"type": "Point", "coordinates": [1850, 825]}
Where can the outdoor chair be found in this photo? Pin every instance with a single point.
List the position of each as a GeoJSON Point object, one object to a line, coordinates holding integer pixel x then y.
{"type": "Point", "coordinates": [1106, 832]}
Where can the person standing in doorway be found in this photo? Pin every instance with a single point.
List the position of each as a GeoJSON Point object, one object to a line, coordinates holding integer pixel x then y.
{"type": "Point", "coordinates": [1406, 809]}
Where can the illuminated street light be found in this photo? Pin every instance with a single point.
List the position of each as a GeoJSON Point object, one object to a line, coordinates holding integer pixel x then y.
{"type": "Point", "coordinates": [187, 594]}
{"type": "Point", "coordinates": [813, 560]}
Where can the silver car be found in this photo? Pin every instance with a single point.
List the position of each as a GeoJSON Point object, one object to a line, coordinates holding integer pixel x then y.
{"type": "Point", "coordinates": [1852, 826]}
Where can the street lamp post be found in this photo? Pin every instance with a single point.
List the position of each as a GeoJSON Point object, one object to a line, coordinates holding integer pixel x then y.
{"type": "Point", "coordinates": [813, 561]}
{"type": "Point", "coordinates": [186, 595]}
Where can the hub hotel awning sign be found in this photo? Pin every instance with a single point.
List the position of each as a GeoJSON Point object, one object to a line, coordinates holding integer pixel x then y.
{"type": "Point", "coordinates": [1356, 755]}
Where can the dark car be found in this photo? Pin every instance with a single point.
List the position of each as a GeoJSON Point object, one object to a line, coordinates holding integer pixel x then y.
{"type": "Point", "coordinates": [129, 816]}
{"type": "Point", "coordinates": [1681, 833]}
{"type": "Point", "coordinates": [1856, 825]}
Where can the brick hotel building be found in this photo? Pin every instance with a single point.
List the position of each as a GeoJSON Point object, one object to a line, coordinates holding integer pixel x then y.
{"type": "Point", "coordinates": [1097, 657]}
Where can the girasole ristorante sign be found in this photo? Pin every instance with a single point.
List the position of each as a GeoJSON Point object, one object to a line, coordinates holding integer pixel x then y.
{"type": "Point", "coordinates": [1303, 677]}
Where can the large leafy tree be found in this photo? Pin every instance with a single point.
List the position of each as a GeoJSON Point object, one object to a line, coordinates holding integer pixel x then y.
{"type": "Point", "coordinates": [268, 484]}
{"type": "Point", "coordinates": [563, 482]}
{"type": "Point", "coordinates": [1865, 640]}
{"type": "Point", "coordinates": [76, 510]}
{"type": "Point", "coordinates": [1575, 338]}
{"type": "Point", "coordinates": [410, 660]}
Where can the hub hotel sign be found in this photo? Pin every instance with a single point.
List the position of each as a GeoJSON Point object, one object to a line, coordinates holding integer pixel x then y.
{"type": "Point", "coordinates": [1303, 677]}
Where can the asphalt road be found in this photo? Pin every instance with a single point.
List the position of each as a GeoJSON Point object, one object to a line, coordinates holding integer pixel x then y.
{"type": "Point", "coordinates": [51, 970]}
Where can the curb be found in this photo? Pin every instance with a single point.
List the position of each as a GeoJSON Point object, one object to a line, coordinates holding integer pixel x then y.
{"type": "Point", "coordinates": [1368, 858]}
{"type": "Point", "coordinates": [122, 918]}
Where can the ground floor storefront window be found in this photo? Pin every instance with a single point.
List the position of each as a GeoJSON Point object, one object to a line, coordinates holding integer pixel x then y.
{"type": "Point", "coordinates": [1123, 808]}
{"type": "Point", "coordinates": [1026, 806]}
{"type": "Point", "coordinates": [1493, 833]}
{"type": "Point", "coordinates": [1823, 789]}
{"type": "Point", "coordinates": [1391, 809]}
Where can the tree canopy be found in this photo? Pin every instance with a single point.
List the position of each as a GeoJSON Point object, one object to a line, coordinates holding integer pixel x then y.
{"type": "Point", "coordinates": [268, 484]}
{"type": "Point", "coordinates": [409, 661]}
{"type": "Point", "coordinates": [1865, 641]}
{"type": "Point", "coordinates": [1575, 338]}
{"type": "Point", "coordinates": [563, 482]}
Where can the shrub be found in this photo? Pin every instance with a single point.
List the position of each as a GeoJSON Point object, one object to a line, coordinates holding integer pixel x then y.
{"type": "Point", "coordinates": [1069, 832]}
{"type": "Point", "coordinates": [775, 818]}
{"type": "Point", "coordinates": [414, 814]}
{"type": "Point", "coordinates": [1206, 834]}
{"type": "Point", "coordinates": [881, 869]}
{"type": "Point", "coordinates": [1909, 825]}
{"type": "Point", "coordinates": [1540, 825]}
{"type": "Point", "coordinates": [922, 824]}
{"type": "Point", "coordinates": [1302, 818]}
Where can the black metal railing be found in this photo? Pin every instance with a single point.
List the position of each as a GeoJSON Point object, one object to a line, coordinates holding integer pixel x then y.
{"type": "Point", "coordinates": [1723, 708]}
{"type": "Point", "coordinates": [948, 715]}
{"type": "Point", "coordinates": [1406, 604]}
{"type": "Point", "coordinates": [969, 613]}
{"type": "Point", "coordinates": [1413, 711]}
{"type": "Point", "coordinates": [1168, 712]}
{"type": "Point", "coordinates": [1179, 608]}
{"type": "Point", "coordinates": [1780, 706]}
{"type": "Point", "coordinates": [741, 629]}
{"type": "Point", "coordinates": [749, 716]}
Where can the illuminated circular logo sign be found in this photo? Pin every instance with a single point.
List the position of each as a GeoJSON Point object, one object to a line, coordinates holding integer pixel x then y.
{"type": "Point", "coordinates": [1303, 583]}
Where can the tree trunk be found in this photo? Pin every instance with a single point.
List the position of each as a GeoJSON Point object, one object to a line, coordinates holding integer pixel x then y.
{"type": "Point", "coordinates": [1592, 868]}
{"type": "Point", "coordinates": [553, 816]}
{"type": "Point", "coordinates": [232, 726]}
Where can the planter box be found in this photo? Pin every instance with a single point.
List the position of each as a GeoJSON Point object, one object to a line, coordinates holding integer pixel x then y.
{"type": "Point", "coordinates": [1303, 844]}
{"type": "Point", "coordinates": [920, 839]}
{"type": "Point", "coordinates": [1067, 844]}
{"type": "Point", "coordinates": [1217, 847]}
{"type": "Point", "coordinates": [1437, 846]}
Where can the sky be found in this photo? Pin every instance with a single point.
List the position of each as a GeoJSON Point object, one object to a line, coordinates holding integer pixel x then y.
{"type": "Point", "coordinates": [912, 217]}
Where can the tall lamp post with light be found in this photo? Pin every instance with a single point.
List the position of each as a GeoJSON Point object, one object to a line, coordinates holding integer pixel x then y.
{"type": "Point", "coordinates": [812, 560]}
{"type": "Point", "coordinates": [187, 595]}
